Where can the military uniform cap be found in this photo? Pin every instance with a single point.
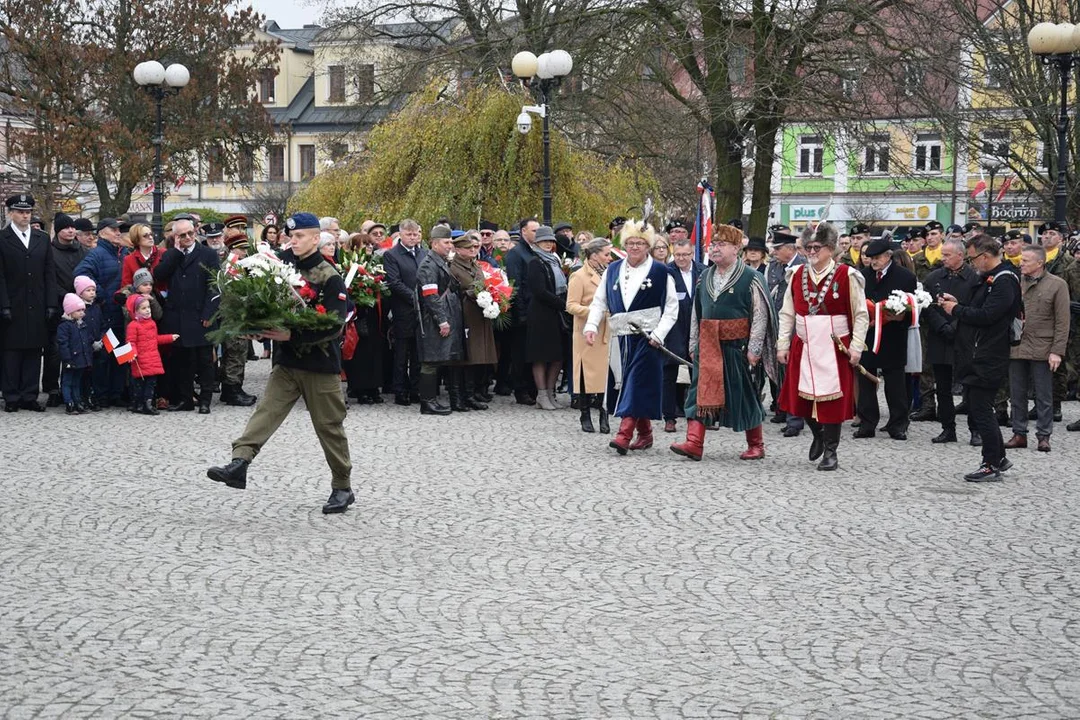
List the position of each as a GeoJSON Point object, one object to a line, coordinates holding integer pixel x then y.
{"type": "Point", "coordinates": [675, 223]}
{"type": "Point", "coordinates": [441, 232]}
{"type": "Point", "coordinates": [933, 225]}
{"type": "Point", "coordinates": [236, 221]}
{"type": "Point", "coordinates": [213, 229]}
{"type": "Point", "coordinates": [22, 201]}
{"type": "Point", "coordinates": [860, 229]}
{"type": "Point", "coordinates": [779, 237]}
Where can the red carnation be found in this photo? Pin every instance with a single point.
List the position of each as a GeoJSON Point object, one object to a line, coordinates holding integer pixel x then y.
{"type": "Point", "coordinates": [320, 309]}
{"type": "Point", "coordinates": [307, 293]}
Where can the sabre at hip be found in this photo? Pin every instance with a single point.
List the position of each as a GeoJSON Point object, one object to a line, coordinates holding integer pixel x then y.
{"type": "Point", "coordinates": [862, 371]}
{"type": "Point", "coordinates": [643, 333]}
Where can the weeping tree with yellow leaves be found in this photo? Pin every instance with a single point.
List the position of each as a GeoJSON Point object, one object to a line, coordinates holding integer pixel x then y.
{"type": "Point", "coordinates": [462, 157]}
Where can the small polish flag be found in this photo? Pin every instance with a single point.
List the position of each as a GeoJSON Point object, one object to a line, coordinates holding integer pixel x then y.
{"type": "Point", "coordinates": [110, 341]}
{"type": "Point", "coordinates": [341, 297]}
{"type": "Point", "coordinates": [124, 354]}
{"type": "Point", "coordinates": [429, 290]}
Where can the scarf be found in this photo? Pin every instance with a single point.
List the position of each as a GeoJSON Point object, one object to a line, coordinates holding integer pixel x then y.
{"type": "Point", "coordinates": [1051, 255]}
{"type": "Point", "coordinates": [556, 268]}
{"type": "Point", "coordinates": [932, 254]}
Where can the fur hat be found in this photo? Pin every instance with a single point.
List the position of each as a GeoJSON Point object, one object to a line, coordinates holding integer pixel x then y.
{"type": "Point", "coordinates": [827, 234]}
{"type": "Point", "coordinates": [82, 282]}
{"type": "Point", "coordinates": [728, 234]}
{"type": "Point", "coordinates": [133, 303]}
{"type": "Point", "coordinates": [73, 302]}
{"type": "Point", "coordinates": [637, 229]}
{"type": "Point", "coordinates": [142, 275]}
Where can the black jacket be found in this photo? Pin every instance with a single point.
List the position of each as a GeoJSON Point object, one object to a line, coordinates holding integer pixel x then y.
{"type": "Point", "coordinates": [192, 297]}
{"type": "Point", "coordinates": [516, 265]}
{"type": "Point", "coordinates": [941, 328]}
{"type": "Point", "coordinates": [982, 331]}
{"type": "Point", "coordinates": [894, 336]}
{"type": "Point", "coordinates": [678, 338]}
{"type": "Point", "coordinates": [27, 289]}
{"type": "Point", "coordinates": [65, 258]}
{"type": "Point", "coordinates": [400, 267]}
{"type": "Point", "coordinates": [547, 324]}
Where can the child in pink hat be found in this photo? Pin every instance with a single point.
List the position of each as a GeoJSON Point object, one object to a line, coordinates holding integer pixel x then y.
{"type": "Point", "coordinates": [76, 353]}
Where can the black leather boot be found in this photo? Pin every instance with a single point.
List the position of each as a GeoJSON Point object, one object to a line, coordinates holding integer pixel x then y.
{"type": "Point", "coordinates": [586, 415]}
{"type": "Point", "coordinates": [468, 391]}
{"type": "Point", "coordinates": [234, 474]}
{"type": "Point", "coordinates": [604, 427]}
{"type": "Point", "coordinates": [429, 402]}
{"type": "Point", "coordinates": [454, 388]}
{"type": "Point", "coordinates": [204, 403]}
{"type": "Point", "coordinates": [339, 501]}
{"type": "Point", "coordinates": [817, 446]}
{"type": "Point", "coordinates": [831, 436]}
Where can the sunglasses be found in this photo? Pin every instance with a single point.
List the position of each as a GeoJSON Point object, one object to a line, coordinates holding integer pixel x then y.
{"type": "Point", "coordinates": [813, 248]}
{"type": "Point", "coordinates": [189, 233]}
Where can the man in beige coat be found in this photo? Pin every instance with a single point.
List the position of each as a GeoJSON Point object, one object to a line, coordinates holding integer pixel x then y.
{"type": "Point", "coordinates": [1042, 347]}
{"type": "Point", "coordinates": [590, 369]}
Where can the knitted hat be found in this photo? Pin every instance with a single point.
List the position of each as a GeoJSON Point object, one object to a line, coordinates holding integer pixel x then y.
{"type": "Point", "coordinates": [142, 275]}
{"type": "Point", "coordinates": [133, 303]}
{"type": "Point", "coordinates": [82, 282]}
{"type": "Point", "coordinates": [73, 302]}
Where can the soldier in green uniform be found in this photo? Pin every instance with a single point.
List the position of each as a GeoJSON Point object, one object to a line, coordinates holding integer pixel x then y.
{"type": "Point", "coordinates": [306, 365]}
{"type": "Point", "coordinates": [1058, 262]}
{"type": "Point", "coordinates": [860, 235]}
{"type": "Point", "coordinates": [235, 351]}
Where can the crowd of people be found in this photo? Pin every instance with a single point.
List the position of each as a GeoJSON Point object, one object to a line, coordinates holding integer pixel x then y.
{"type": "Point", "coordinates": [631, 325]}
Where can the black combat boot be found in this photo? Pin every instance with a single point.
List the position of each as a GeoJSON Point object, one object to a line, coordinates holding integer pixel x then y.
{"type": "Point", "coordinates": [339, 501]}
{"type": "Point", "coordinates": [429, 400]}
{"type": "Point", "coordinates": [831, 439]}
{"type": "Point", "coordinates": [817, 446]}
{"type": "Point", "coordinates": [234, 474]}
{"type": "Point", "coordinates": [456, 390]}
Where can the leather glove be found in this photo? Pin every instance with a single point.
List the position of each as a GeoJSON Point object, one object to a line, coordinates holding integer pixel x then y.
{"type": "Point", "coordinates": [5, 315]}
{"type": "Point", "coordinates": [51, 314]}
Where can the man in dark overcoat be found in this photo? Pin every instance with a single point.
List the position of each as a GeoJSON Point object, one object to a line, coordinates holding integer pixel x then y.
{"type": "Point", "coordinates": [28, 304]}
{"type": "Point", "coordinates": [686, 272]}
{"type": "Point", "coordinates": [882, 277]}
{"type": "Point", "coordinates": [440, 333]}
{"type": "Point", "coordinates": [189, 268]}
{"type": "Point", "coordinates": [67, 253]}
{"type": "Point", "coordinates": [400, 263]}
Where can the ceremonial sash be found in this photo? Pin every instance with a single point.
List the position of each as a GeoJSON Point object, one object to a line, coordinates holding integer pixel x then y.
{"type": "Point", "coordinates": [711, 398]}
{"type": "Point", "coordinates": [819, 374]}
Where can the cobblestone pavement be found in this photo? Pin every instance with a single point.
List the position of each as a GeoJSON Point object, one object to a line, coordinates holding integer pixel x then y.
{"type": "Point", "coordinates": [504, 564]}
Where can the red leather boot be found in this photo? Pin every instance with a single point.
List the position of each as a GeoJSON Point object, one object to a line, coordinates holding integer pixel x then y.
{"type": "Point", "coordinates": [644, 435]}
{"type": "Point", "coordinates": [694, 445]}
{"type": "Point", "coordinates": [621, 441]}
{"type": "Point", "coordinates": [755, 445]}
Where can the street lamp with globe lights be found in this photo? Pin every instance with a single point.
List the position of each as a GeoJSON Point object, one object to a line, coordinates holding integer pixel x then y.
{"type": "Point", "coordinates": [1056, 44]}
{"type": "Point", "coordinates": [160, 82]}
{"type": "Point", "coordinates": [542, 75]}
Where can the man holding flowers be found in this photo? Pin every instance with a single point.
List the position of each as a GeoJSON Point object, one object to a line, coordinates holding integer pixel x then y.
{"type": "Point", "coordinates": [307, 364]}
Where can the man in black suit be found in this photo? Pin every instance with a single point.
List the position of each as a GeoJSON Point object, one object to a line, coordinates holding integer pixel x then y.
{"type": "Point", "coordinates": [67, 253]}
{"type": "Point", "coordinates": [189, 269]}
{"type": "Point", "coordinates": [400, 263]}
{"type": "Point", "coordinates": [785, 259]}
{"type": "Point", "coordinates": [28, 304]}
{"type": "Point", "coordinates": [516, 264]}
{"type": "Point", "coordinates": [686, 272]}
{"type": "Point", "coordinates": [882, 277]}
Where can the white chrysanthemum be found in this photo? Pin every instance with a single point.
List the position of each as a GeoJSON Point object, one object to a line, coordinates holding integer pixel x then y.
{"type": "Point", "coordinates": [897, 303]}
{"type": "Point", "coordinates": [491, 312]}
{"type": "Point", "coordinates": [484, 299]}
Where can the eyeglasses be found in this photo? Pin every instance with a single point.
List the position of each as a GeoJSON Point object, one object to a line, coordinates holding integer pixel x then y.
{"type": "Point", "coordinates": [486, 233]}
{"type": "Point", "coordinates": [637, 243]}
{"type": "Point", "coordinates": [976, 256]}
{"type": "Point", "coordinates": [147, 235]}
{"type": "Point", "coordinates": [189, 233]}
{"type": "Point", "coordinates": [813, 248]}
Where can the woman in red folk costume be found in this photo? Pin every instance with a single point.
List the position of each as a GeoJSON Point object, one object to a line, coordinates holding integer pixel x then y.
{"type": "Point", "coordinates": [825, 304]}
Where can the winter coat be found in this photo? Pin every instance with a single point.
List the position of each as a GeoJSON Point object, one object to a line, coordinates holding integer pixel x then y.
{"type": "Point", "coordinates": [479, 334]}
{"type": "Point", "coordinates": [546, 326]}
{"type": "Point", "coordinates": [143, 337]}
{"type": "Point", "coordinates": [192, 298]}
{"type": "Point", "coordinates": [94, 321]}
{"type": "Point", "coordinates": [516, 264]}
{"type": "Point", "coordinates": [894, 336]}
{"type": "Point", "coordinates": [27, 289]}
{"type": "Point", "coordinates": [678, 338]}
{"type": "Point", "coordinates": [156, 308]}
{"type": "Point", "coordinates": [102, 265]}
{"type": "Point", "coordinates": [76, 347]}
{"type": "Point", "coordinates": [982, 330]}
{"type": "Point", "coordinates": [135, 261]}
{"type": "Point", "coordinates": [590, 361]}
{"type": "Point", "coordinates": [401, 267]}
{"type": "Point", "coordinates": [65, 259]}
{"type": "Point", "coordinates": [1046, 319]}
{"type": "Point", "coordinates": [941, 328]}
{"type": "Point", "coordinates": [437, 302]}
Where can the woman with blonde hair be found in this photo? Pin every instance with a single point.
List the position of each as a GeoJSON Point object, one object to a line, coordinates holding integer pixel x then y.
{"type": "Point", "coordinates": [590, 362]}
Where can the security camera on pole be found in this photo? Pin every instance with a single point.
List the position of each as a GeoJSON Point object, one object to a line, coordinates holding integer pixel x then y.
{"type": "Point", "coordinates": [541, 74]}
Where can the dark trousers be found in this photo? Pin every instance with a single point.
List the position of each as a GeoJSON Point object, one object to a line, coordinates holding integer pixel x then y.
{"type": "Point", "coordinates": [21, 371]}
{"type": "Point", "coordinates": [50, 367]}
{"type": "Point", "coordinates": [142, 389]}
{"type": "Point", "coordinates": [72, 384]}
{"type": "Point", "coordinates": [109, 378]}
{"type": "Point", "coordinates": [674, 394]}
{"type": "Point", "coordinates": [503, 379]}
{"type": "Point", "coordinates": [185, 365]}
{"type": "Point", "coordinates": [981, 413]}
{"type": "Point", "coordinates": [896, 396]}
{"type": "Point", "coordinates": [946, 408]}
{"type": "Point", "coordinates": [406, 360]}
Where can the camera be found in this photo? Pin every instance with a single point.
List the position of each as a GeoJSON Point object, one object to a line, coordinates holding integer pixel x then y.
{"type": "Point", "coordinates": [524, 123]}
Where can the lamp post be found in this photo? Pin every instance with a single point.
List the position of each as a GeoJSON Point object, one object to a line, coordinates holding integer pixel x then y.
{"type": "Point", "coordinates": [541, 74]}
{"type": "Point", "coordinates": [1056, 45]}
{"type": "Point", "coordinates": [991, 165]}
{"type": "Point", "coordinates": [160, 82]}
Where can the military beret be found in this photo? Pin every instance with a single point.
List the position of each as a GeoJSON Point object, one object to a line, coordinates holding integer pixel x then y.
{"type": "Point", "coordinates": [441, 232]}
{"type": "Point", "coordinates": [954, 230]}
{"type": "Point", "coordinates": [1051, 225]}
{"type": "Point", "coordinates": [972, 226]}
{"type": "Point", "coordinates": [302, 221]}
{"type": "Point", "coordinates": [22, 201]}
{"type": "Point", "coordinates": [675, 223]}
{"type": "Point", "coordinates": [933, 225]}
{"type": "Point", "coordinates": [213, 229]}
{"type": "Point", "coordinates": [860, 229]}
{"type": "Point", "coordinates": [877, 247]}
{"type": "Point", "coordinates": [916, 232]}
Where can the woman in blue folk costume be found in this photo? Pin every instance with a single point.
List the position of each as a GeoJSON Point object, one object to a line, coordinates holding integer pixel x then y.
{"type": "Point", "coordinates": [639, 294]}
{"type": "Point", "coordinates": [732, 333]}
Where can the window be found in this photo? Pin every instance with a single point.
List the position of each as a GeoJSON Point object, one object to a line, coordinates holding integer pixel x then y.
{"type": "Point", "coordinates": [927, 157]}
{"type": "Point", "coordinates": [914, 75]}
{"type": "Point", "coordinates": [849, 81]}
{"type": "Point", "coordinates": [737, 65]}
{"type": "Point", "coordinates": [266, 85]}
{"type": "Point", "coordinates": [246, 166]}
{"type": "Point", "coordinates": [67, 172]}
{"type": "Point", "coordinates": [876, 154]}
{"type": "Point", "coordinates": [996, 70]}
{"type": "Point", "coordinates": [275, 155]}
{"type": "Point", "coordinates": [811, 155]}
{"type": "Point", "coordinates": [995, 147]}
{"type": "Point", "coordinates": [307, 162]}
{"type": "Point", "coordinates": [214, 172]}
{"type": "Point", "coordinates": [338, 151]}
{"type": "Point", "coordinates": [365, 83]}
{"type": "Point", "coordinates": [337, 83]}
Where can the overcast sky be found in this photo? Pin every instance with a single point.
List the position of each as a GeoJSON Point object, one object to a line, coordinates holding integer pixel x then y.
{"type": "Point", "coordinates": [291, 13]}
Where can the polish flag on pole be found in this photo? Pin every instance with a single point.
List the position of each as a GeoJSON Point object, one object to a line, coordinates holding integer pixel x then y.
{"type": "Point", "coordinates": [1004, 189]}
{"type": "Point", "coordinates": [124, 353]}
{"type": "Point", "coordinates": [110, 341]}
{"type": "Point", "coordinates": [980, 188]}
